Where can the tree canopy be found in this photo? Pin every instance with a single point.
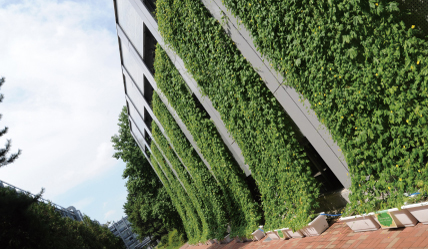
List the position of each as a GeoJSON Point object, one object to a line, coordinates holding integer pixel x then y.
{"type": "Point", "coordinates": [27, 223]}
{"type": "Point", "coordinates": [5, 158]}
{"type": "Point", "coordinates": [148, 206]}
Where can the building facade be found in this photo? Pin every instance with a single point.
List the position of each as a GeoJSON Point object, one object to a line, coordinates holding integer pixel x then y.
{"type": "Point", "coordinates": [185, 27]}
{"type": "Point", "coordinates": [123, 229]}
{"type": "Point", "coordinates": [138, 35]}
{"type": "Point", "coordinates": [217, 63]}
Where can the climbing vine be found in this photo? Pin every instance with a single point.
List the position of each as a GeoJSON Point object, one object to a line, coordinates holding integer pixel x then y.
{"type": "Point", "coordinates": [250, 112]}
{"type": "Point", "coordinates": [202, 177]}
{"type": "Point", "coordinates": [201, 199]}
{"type": "Point", "coordinates": [179, 197]}
{"type": "Point", "coordinates": [244, 213]}
{"type": "Point", "coordinates": [364, 73]}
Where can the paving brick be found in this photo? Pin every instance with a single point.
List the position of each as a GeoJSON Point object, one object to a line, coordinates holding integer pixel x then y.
{"type": "Point", "coordinates": [363, 245]}
{"type": "Point", "coordinates": [333, 238]}
{"type": "Point", "coordinates": [393, 243]}
{"type": "Point", "coordinates": [418, 241]}
{"type": "Point", "coordinates": [410, 240]}
{"type": "Point", "coordinates": [424, 243]}
{"type": "Point", "coordinates": [410, 230]}
{"type": "Point", "coordinates": [404, 243]}
{"type": "Point", "coordinates": [419, 232]}
{"type": "Point", "coordinates": [387, 240]}
{"type": "Point", "coordinates": [373, 243]}
{"type": "Point", "coordinates": [376, 234]}
{"type": "Point", "coordinates": [356, 244]}
{"type": "Point", "coordinates": [345, 246]}
{"type": "Point", "coordinates": [368, 241]}
{"type": "Point", "coordinates": [340, 236]}
{"type": "Point", "coordinates": [363, 237]}
{"type": "Point", "coordinates": [382, 245]}
{"type": "Point", "coordinates": [340, 244]}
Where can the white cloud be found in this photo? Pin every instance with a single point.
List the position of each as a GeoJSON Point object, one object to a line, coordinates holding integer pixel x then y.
{"type": "Point", "coordinates": [63, 93]}
{"type": "Point", "coordinates": [109, 213]}
{"type": "Point", "coordinates": [81, 204]}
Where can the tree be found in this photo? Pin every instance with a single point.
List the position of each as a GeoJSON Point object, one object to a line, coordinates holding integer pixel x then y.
{"type": "Point", "coordinates": [5, 159]}
{"type": "Point", "coordinates": [148, 206]}
{"type": "Point", "coordinates": [27, 223]}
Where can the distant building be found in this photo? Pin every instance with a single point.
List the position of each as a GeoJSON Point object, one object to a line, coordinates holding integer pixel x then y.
{"type": "Point", "coordinates": [123, 229]}
{"type": "Point", "coordinates": [70, 212]}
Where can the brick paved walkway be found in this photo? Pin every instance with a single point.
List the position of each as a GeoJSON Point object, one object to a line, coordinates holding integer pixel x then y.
{"type": "Point", "coordinates": [339, 235]}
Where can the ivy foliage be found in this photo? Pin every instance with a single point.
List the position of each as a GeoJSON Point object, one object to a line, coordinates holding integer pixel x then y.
{"type": "Point", "coordinates": [203, 180]}
{"type": "Point", "coordinates": [180, 199]}
{"type": "Point", "coordinates": [365, 75]}
{"type": "Point", "coordinates": [244, 212]}
{"type": "Point", "coordinates": [207, 212]}
{"type": "Point", "coordinates": [250, 112]}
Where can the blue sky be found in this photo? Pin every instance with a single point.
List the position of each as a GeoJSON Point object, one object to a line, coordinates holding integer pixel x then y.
{"type": "Point", "coordinates": [63, 95]}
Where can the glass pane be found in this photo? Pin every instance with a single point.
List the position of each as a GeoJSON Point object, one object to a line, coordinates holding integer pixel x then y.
{"type": "Point", "coordinates": [131, 65]}
{"type": "Point", "coordinates": [134, 94]}
{"type": "Point", "coordinates": [136, 117]}
{"type": "Point", "coordinates": [131, 23]}
{"type": "Point", "coordinates": [137, 134]}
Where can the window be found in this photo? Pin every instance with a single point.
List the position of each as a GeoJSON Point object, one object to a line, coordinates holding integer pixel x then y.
{"type": "Point", "coordinates": [151, 6]}
{"type": "Point", "coordinates": [148, 91]}
{"type": "Point", "coordinates": [200, 107]}
{"type": "Point", "coordinates": [147, 138]}
{"type": "Point", "coordinates": [147, 119]}
{"type": "Point", "coordinates": [149, 50]}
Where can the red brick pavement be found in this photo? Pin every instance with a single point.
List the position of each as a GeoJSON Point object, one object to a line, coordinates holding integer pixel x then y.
{"type": "Point", "coordinates": [339, 235]}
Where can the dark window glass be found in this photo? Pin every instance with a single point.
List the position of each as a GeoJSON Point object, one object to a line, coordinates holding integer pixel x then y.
{"type": "Point", "coordinates": [149, 49]}
{"type": "Point", "coordinates": [200, 107]}
{"type": "Point", "coordinates": [320, 169]}
{"type": "Point", "coordinates": [151, 6]}
{"type": "Point", "coordinates": [148, 119]}
{"type": "Point", "coordinates": [147, 138]}
{"type": "Point", "coordinates": [148, 92]}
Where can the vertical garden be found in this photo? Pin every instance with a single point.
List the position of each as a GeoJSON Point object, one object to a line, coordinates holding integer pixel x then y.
{"type": "Point", "coordinates": [251, 113]}
{"type": "Point", "coordinates": [362, 69]}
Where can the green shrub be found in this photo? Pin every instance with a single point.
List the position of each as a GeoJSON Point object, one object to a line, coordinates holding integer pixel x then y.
{"type": "Point", "coordinates": [172, 240]}
{"type": "Point", "coordinates": [250, 112]}
{"type": "Point", "coordinates": [365, 74]}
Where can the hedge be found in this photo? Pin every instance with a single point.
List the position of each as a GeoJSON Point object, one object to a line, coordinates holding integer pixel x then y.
{"type": "Point", "coordinates": [243, 211]}
{"type": "Point", "coordinates": [365, 74]}
{"type": "Point", "coordinates": [185, 208]}
{"type": "Point", "coordinates": [250, 112]}
{"type": "Point", "coordinates": [207, 212]}
{"type": "Point", "coordinates": [204, 181]}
